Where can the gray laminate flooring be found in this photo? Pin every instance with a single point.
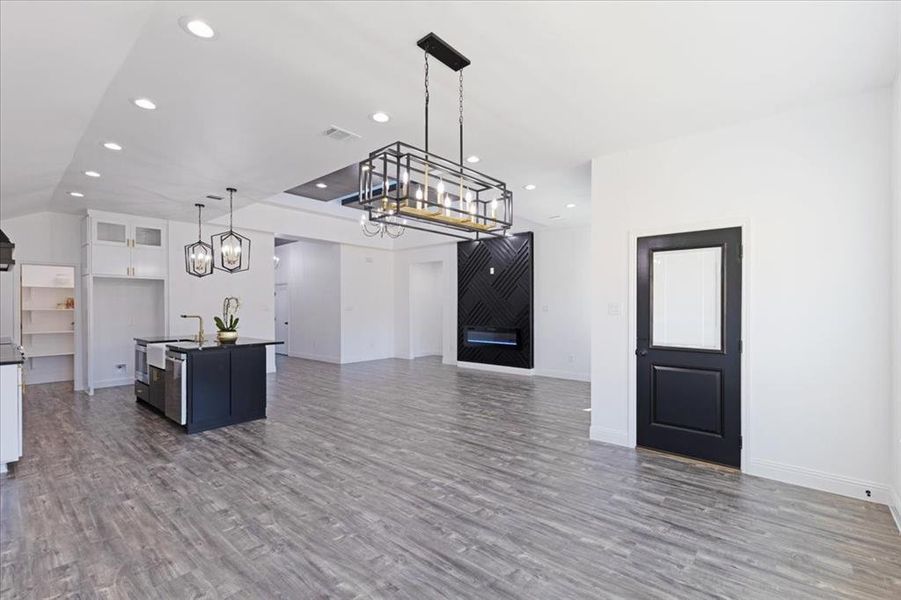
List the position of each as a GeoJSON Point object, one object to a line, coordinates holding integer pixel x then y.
{"type": "Point", "coordinates": [408, 479]}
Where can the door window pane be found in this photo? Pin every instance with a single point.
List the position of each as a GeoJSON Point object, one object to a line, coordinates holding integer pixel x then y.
{"type": "Point", "coordinates": [686, 298]}
{"type": "Point", "coordinates": [111, 232]}
{"type": "Point", "coordinates": [148, 236]}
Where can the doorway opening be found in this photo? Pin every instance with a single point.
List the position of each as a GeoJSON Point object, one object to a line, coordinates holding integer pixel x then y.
{"type": "Point", "coordinates": [426, 309]}
{"type": "Point", "coordinates": [283, 318]}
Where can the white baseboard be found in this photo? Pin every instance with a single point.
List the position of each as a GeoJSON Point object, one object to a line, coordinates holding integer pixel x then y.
{"type": "Point", "coordinates": [105, 383]}
{"type": "Point", "coordinates": [495, 368]}
{"type": "Point", "coordinates": [316, 357]}
{"type": "Point", "coordinates": [345, 361]}
{"type": "Point", "coordinates": [895, 508]}
{"type": "Point", "coordinates": [557, 374]}
{"type": "Point", "coordinates": [609, 436]}
{"type": "Point", "coordinates": [819, 480]}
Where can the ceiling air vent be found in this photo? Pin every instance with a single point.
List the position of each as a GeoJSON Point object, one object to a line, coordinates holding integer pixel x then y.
{"type": "Point", "coordinates": [340, 135]}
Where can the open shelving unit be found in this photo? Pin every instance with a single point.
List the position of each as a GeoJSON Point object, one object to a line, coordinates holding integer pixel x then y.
{"type": "Point", "coordinates": [47, 320]}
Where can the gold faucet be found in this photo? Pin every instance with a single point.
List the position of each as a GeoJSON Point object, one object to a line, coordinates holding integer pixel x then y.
{"type": "Point", "coordinates": [199, 337]}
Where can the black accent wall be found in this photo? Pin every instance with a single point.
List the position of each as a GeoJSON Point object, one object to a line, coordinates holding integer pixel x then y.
{"type": "Point", "coordinates": [502, 300]}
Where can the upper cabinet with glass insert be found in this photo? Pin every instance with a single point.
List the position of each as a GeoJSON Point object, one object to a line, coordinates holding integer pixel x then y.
{"type": "Point", "coordinates": [126, 246]}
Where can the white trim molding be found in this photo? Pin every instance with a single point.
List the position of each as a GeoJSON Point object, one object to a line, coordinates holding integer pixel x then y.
{"type": "Point", "coordinates": [316, 357]}
{"type": "Point", "coordinates": [610, 436]}
{"type": "Point", "coordinates": [557, 374]}
{"type": "Point", "coordinates": [495, 368]}
{"type": "Point", "coordinates": [819, 480]}
{"type": "Point", "coordinates": [106, 383]}
{"type": "Point", "coordinates": [895, 508]}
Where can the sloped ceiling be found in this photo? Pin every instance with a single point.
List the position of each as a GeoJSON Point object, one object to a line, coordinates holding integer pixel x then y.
{"type": "Point", "coordinates": [551, 86]}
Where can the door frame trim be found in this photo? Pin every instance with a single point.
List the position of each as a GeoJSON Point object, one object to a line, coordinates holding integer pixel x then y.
{"type": "Point", "coordinates": [632, 318]}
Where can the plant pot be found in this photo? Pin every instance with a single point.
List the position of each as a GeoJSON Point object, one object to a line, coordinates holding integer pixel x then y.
{"type": "Point", "coordinates": [227, 337]}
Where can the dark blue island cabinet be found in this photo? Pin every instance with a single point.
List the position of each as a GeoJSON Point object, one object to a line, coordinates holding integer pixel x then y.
{"type": "Point", "coordinates": [216, 384]}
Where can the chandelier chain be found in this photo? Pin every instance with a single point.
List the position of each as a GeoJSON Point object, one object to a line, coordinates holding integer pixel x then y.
{"type": "Point", "coordinates": [461, 96]}
{"type": "Point", "coordinates": [426, 101]}
{"type": "Point", "coordinates": [426, 77]}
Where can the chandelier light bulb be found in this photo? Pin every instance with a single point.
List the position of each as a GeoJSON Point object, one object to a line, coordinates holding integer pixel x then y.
{"type": "Point", "coordinates": [440, 187]}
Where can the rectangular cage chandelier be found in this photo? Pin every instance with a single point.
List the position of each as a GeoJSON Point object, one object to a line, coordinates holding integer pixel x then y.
{"type": "Point", "coordinates": [404, 186]}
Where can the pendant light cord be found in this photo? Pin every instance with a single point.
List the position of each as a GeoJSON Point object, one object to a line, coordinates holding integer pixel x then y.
{"type": "Point", "coordinates": [199, 227]}
{"type": "Point", "coordinates": [231, 208]}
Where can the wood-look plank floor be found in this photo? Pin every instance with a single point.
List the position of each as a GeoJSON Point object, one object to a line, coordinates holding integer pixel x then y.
{"type": "Point", "coordinates": [400, 479]}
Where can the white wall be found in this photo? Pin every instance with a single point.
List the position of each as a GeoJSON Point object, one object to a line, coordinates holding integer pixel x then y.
{"type": "Point", "coordinates": [427, 309]}
{"type": "Point", "coordinates": [42, 238]}
{"type": "Point", "coordinates": [124, 309]}
{"type": "Point", "coordinates": [813, 188]}
{"type": "Point", "coordinates": [896, 296]}
{"type": "Point", "coordinates": [203, 296]}
{"type": "Point", "coordinates": [312, 271]}
{"type": "Point", "coordinates": [404, 261]}
{"type": "Point", "coordinates": [563, 303]}
{"type": "Point", "coordinates": [367, 304]}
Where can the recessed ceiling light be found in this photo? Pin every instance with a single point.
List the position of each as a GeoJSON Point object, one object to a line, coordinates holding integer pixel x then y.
{"type": "Point", "coordinates": [321, 185]}
{"type": "Point", "coordinates": [571, 205]}
{"type": "Point", "coordinates": [197, 27]}
{"type": "Point", "coordinates": [92, 173]}
{"type": "Point", "coordinates": [529, 187]}
{"type": "Point", "coordinates": [112, 146]}
{"type": "Point", "coordinates": [145, 103]}
{"type": "Point", "coordinates": [76, 194]}
{"type": "Point", "coordinates": [473, 159]}
{"type": "Point", "coordinates": [380, 117]}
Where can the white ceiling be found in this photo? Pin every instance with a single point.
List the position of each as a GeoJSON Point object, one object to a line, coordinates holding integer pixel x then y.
{"type": "Point", "coordinates": [551, 86]}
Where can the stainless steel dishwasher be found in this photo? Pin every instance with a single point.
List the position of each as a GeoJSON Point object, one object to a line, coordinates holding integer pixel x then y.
{"type": "Point", "coordinates": [176, 385]}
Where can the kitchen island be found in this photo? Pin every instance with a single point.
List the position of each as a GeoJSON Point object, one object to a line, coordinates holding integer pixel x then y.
{"type": "Point", "coordinates": [209, 385]}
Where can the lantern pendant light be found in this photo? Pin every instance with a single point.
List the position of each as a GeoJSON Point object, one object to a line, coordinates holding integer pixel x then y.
{"type": "Point", "coordinates": [199, 255]}
{"type": "Point", "coordinates": [231, 250]}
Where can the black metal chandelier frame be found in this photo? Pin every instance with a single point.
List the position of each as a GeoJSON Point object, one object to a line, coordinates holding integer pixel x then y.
{"type": "Point", "coordinates": [429, 192]}
{"type": "Point", "coordinates": [199, 254]}
{"type": "Point", "coordinates": [231, 250]}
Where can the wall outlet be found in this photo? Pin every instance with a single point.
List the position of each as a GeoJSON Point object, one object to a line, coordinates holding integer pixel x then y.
{"type": "Point", "coordinates": [614, 309]}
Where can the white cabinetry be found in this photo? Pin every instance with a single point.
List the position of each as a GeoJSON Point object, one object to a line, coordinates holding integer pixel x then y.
{"type": "Point", "coordinates": [10, 414]}
{"type": "Point", "coordinates": [125, 246]}
{"type": "Point", "coordinates": [126, 276]}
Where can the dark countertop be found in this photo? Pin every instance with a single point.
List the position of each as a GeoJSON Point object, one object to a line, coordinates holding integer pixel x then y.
{"type": "Point", "coordinates": [159, 339]}
{"type": "Point", "coordinates": [10, 353]}
{"type": "Point", "coordinates": [212, 344]}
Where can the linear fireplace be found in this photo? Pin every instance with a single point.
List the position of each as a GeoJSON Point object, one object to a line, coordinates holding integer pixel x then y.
{"type": "Point", "coordinates": [494, 302]}
{"type": "Point", "coordinates": [491, 336]}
